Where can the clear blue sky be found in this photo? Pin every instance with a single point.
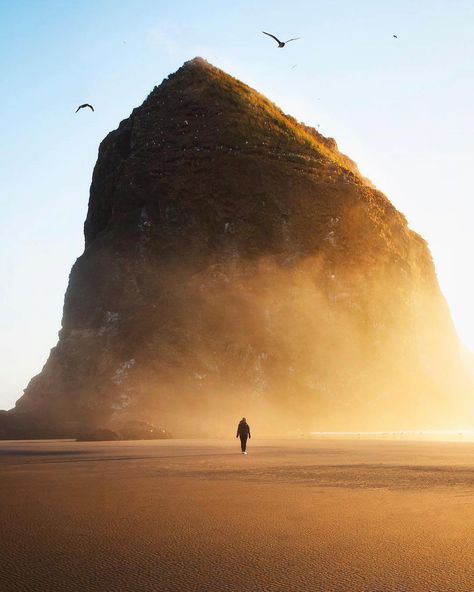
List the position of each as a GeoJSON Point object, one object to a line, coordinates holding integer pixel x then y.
{"type": "Point", "coordinates": [402, 108]}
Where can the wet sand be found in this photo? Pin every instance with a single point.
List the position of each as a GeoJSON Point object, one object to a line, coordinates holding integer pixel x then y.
{"type": "Point", "coordinates": [184, 515]}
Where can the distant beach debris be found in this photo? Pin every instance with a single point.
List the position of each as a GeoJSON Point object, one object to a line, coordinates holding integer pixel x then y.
{"type": "Point", "coordinates": [130, 430]}
{"type": "Point", "coordinates": [99, 435]}
{"type": "Point", "coordinates": [141, 430]}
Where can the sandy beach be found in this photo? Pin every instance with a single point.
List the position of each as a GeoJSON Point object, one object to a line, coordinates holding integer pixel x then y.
{"type": "Point", "coordinates": [189, 515]}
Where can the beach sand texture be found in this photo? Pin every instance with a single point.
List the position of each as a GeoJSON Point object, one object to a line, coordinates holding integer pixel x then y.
{"type": "Point", "coordinates": [196, 515]}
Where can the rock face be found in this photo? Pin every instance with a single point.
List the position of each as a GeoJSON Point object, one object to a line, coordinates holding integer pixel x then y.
{"type": "Point", "coordinates": [236, 263]}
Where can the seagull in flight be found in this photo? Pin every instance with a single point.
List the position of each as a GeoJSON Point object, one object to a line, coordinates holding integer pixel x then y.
{"type": "Point", "coordinates": [280, 43]}
{"type": "Point", "coordinates": [85, 105]}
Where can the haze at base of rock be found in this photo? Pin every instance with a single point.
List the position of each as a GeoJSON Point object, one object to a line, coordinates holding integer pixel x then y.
{"type": "Point", "coordinates": [237, 264]}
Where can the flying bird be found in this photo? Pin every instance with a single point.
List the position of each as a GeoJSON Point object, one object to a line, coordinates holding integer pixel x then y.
{"type": "Point", "coordinates": [280, 43]}
{"type": "Point", "coordinates": [396, 36]}
{"type": "Point", "coordinates": [85, 105]}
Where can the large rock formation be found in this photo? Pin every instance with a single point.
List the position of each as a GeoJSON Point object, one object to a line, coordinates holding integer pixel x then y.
{"type": "Point", "coordinates": [236, 263]}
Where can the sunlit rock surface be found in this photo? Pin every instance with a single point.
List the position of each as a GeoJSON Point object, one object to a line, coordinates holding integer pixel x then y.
{"type": "Point", "coordinates": [236, 263]}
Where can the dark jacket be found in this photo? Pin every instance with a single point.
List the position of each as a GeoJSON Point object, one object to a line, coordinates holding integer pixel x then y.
{"type": "Point", "coordinates": [243, 429]}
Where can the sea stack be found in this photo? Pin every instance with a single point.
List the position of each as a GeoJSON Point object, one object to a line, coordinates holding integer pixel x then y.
{"type": "Point", "coordinates": [236, 263]}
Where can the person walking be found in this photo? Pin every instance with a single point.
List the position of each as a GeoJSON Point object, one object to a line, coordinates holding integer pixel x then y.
{"type": "Point", "coordinates": [243, 432]}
